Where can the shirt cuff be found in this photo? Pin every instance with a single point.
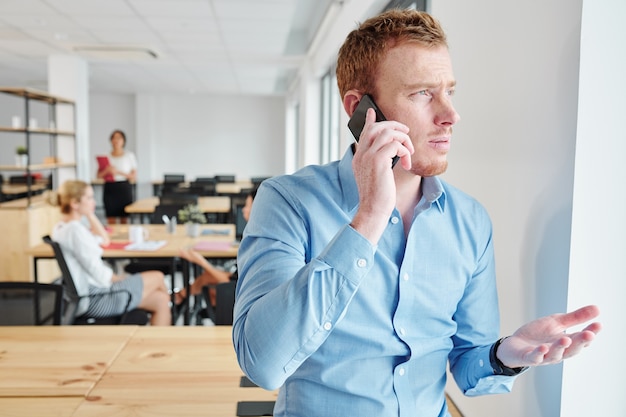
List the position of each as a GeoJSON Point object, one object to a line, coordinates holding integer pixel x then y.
{"type": "Point", "coordinates": [350, 254]}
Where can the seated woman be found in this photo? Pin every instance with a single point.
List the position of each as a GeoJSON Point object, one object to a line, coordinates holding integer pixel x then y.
{"type": "Point", "coordinates": [81, 237]}
{"type": "Point", "coordinates": [210, 274]}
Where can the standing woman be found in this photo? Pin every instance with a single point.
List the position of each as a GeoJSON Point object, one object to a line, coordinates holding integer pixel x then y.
{"type": "Point", "coordinates": [81, 237]}
{"type": "Point", "coordinates": [123, 167]}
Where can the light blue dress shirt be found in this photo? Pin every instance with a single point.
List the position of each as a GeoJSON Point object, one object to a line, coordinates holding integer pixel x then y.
{"type": "Point", "coordinates": [345, 328]}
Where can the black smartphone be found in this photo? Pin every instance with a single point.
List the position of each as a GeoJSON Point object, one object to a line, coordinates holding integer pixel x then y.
{"type": "Point", "coordinates": [357, 121]}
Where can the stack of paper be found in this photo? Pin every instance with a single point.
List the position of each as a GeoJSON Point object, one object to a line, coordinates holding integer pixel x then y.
{"type": "Point", "coordinates": [146, 245]}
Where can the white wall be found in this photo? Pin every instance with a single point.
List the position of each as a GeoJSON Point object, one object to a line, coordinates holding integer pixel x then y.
{"type": "Point", "coordinates": [517, 68]}
{"type": "Point", "coordinates": [197, 135]}
{"type": "Point", "coordinates": [593, 384]}
{"type": "Point", "coordinates": [109, 112]}
{"type": "Point", "coordinates": [517, 73]}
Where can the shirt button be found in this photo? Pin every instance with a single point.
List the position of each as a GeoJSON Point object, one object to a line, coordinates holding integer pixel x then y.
{"type": "Point", "coordinates": [401, 372]}
{"type": "Point", "coordinates": [401, 330]}
{"type": "Point", "coordinates": [327, 326]}
{"type": "Point", "coordinates": [361, 263]}
{"type": "Point", "coordinates": [405, 276]}
{"type": "Point", "coordinates": [394, 220]}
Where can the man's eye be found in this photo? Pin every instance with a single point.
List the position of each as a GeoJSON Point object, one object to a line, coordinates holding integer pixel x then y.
{"type": "Point", "coordinates": [451, 92]}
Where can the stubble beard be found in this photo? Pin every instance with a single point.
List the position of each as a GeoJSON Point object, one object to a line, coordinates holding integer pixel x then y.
{"type": "Point", "coordinates": [429, 168]}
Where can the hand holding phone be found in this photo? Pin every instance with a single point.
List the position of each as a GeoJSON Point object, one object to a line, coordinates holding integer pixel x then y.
{"type": "Point", "coordinates": [357, 121]}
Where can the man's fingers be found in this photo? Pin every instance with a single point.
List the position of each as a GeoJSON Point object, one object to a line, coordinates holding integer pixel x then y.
{"type": "Point", "coordinates": [579, 316]}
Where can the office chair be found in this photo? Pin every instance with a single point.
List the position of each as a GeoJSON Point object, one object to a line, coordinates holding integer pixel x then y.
{"type": "Point", "coordinates": [181, 198]}
{"type": "Point", "coordinates": [206, 186]}
{"type": "Point", "coordinates": [30, 304]}
{"type": "Point", "coordinates": [73, 301]}
{"type": "Point", "coordinates": [256, 181]}
{"type": "Point", "coordinates": [2, 196]}
{"type": "Point", "coordinates": [225, 178]}
{"type": "Point", "coordinates": [173, 178]}
{"type": "Point", "coordinates": [222, 313]}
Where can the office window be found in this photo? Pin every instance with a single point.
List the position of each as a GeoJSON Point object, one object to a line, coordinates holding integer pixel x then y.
{"type": "Point", "coordinates": [292, 145]}
{"type": "Point", "coordinates": [329, 114]}
{"type": "Point", "coordinates": [407, 4]}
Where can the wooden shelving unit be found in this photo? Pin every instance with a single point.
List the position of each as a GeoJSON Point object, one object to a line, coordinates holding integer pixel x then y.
{"type": "Point", "coordinates": [51, 151]}
{"type": "Point", "coordinates": [30, 133]}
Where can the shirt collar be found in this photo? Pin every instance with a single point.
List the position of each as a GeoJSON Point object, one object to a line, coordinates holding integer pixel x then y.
{"type": "Point", "coordinates": [433, 191]}
{"type": "Point", "coordinates": [348, 183]}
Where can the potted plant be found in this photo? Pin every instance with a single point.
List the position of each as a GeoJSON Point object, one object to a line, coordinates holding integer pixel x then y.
{"type": "Point", "coordinates": [193, 217]}
{"type": "Point", "coordinates": [21, 156]}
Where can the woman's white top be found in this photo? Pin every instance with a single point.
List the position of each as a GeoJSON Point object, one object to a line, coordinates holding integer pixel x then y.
{"type": "Point", "coordinates": [83, 255]}
{"type": "Point", "coordinates": [124, 163]}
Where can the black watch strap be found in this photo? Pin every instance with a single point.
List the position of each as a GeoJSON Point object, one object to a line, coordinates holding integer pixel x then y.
{"type": "Point", "coordinates": [498, 367]}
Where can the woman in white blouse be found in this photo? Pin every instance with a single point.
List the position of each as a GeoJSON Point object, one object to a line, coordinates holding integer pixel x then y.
{"type": "Point", "coordinates": [118, 175]}
{"type": "Point", "coordinates": [81, 237]}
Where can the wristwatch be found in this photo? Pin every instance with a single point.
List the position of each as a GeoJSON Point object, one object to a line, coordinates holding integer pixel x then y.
{"type": "Point", "coordinates": [498, 367]}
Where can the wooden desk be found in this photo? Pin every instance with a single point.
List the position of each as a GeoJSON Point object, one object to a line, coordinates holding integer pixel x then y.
{"type": "Point", "coordinates": [174, 242]}
{"type": "Point", "coordinates": [222, 247]}
{"type": "Point", "coordinates": [16, 189]}
{"type": "Point", "coordinates": [229, 188]}
{"type": "Point", "coordinates": [167, 371]}
{"type": "Point", "coordinates": [226, 188]}
{"type": "Point", "coordinates": [54, 361]}
{"type": "Point", "coordinates": [212, 204]}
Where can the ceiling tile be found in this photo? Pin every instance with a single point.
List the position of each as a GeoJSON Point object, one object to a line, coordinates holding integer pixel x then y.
{"type": "Point", "coordinates": [224, 46]}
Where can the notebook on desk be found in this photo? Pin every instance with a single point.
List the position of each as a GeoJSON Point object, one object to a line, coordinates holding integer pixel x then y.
{"type": "Point", "coordinates": [146, 245]}
{"type": "Point", "coordinates": [216, 246]}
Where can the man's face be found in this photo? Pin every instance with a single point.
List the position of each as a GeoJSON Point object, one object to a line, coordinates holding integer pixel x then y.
{"type": "Point", "coordinates": [414, 86]}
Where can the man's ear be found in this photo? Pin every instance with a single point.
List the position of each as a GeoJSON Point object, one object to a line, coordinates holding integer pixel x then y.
{"type": "Point", "coordinates": [350, 100]}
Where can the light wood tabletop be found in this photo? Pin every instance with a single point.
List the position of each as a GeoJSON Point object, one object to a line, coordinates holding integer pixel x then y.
{"type": "Point", "coordinates": [54, 360]}
{"type": "Point", "coordinates": [22, 188]}
{"type": "Point", "coordinates": [155, 371]}
{"type": "Point", "coordinates": [210, 204]}
{"type": "Point", "coordinates": [214, 241]}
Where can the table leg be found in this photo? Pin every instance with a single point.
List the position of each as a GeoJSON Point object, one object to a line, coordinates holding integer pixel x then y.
{"type": "Point", "coordinates": [35, 276]}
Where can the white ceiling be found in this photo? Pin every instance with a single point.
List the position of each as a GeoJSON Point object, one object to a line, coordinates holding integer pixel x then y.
{"type": "Point", "coordinates": [202, 46]}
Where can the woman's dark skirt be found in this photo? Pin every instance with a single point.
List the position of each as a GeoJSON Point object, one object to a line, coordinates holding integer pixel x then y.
{"type": "Point", "coordinates": [116, 196]}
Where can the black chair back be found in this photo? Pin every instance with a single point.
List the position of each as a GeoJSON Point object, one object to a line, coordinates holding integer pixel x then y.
{"type": "Point", "coordinates": [225, 178]}
{"type": "Point", "coordinates": [72, 299]}
{"type": "Point", "coordinates": [169, 210]}
{"type": "Point", "coordinates": [205, 186]}
{"type": "Point", "coordinates": [173, 178]}
{"type": "Point", "coordinates": [256, 181]}
{"type": "Point", "coordinates": [178, 199]}
{"type": "Point", "coordinates": [30, 304]}
{"type": "Point", "coordinates": [222, 313]}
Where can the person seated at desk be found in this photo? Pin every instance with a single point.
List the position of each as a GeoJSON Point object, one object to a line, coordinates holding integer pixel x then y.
{"type": "Point", "coordinates": [82, 247]}
{"type": "Point", "coordinates": [210, 275]}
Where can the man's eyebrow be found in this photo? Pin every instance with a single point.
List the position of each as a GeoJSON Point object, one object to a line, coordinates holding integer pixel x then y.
{"type": "Point", "coordinates": [429, 84]}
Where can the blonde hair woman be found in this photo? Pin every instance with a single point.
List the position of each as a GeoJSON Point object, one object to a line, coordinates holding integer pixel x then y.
{"type": "Point", "coordinates": [81, 236]}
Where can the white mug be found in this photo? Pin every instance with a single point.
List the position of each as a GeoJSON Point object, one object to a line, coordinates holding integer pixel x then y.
{"type": "Point", "coordinates": [137, 234]}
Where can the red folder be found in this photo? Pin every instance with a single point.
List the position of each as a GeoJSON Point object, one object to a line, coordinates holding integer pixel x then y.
{"type": "Point", "coordinates": [103, 162]}
{"type": "Point", "coordinates": [117, 245]}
